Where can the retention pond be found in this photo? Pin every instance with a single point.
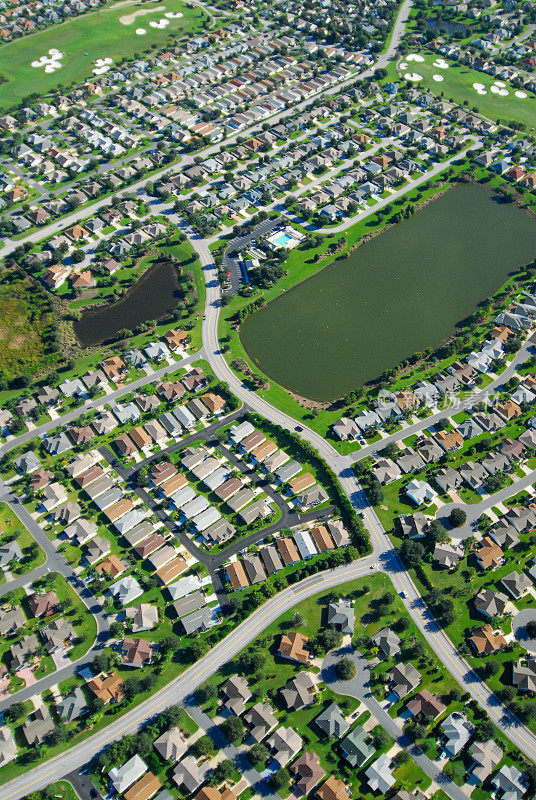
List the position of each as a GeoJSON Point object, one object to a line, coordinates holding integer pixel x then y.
{"type": "Point", "coordinates": [398, 294]}
{"type": "Point", "coordinates": [151, 298]}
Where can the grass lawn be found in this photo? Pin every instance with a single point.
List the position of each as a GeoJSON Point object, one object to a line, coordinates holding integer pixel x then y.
{"type": "Point", "coordinates": [458, 85]}
{"type": "Point", "coordinates": [83, 40]}
{"type": "Point", "coordinates": [63, 790]}
{"type": "Point", "coordinates": [11, 526]}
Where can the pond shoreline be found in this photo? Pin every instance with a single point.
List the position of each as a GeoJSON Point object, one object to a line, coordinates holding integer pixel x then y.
{"type": "Point", "coordinates": [347, 328]}
{"type": "Point", "coordinates": [130, 298]}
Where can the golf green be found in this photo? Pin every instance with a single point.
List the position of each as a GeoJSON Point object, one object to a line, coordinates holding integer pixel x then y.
{"type": "Point", "coordinates": [87, 38]}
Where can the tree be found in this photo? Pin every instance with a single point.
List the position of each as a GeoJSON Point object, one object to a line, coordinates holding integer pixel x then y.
{"type": "Point", "coordinates": [380, 737]}
{"type": "Point", "coordinates": [116, 630]}
{"type": "Point", "coordinates": [531, 628]}
{"type": "Point", "coordinates": [345, 669]}
{"type": "Point", "coordinates": [233, 729]}
{"type": "Point", "coordinates": [457, 517]}
{"type": "Point", "coordinates": [412, 553]}
{"type": "Point", "coordinates": [280, 779]}
{"type": "Point", "coordinates": [206, 692]}
{"type": "Point", "coordinates": [14, 712]}
{"type": "Point", "coordinates": [485, 730]}
{"type": "Point", "coordinates": [225, 771]}
{"type": "Point", "coordinates": [202, 746]}
{"type": "Point", "coordinates": [258, 756]}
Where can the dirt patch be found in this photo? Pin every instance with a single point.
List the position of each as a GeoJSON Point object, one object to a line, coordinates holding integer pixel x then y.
{"type": "Point", "coordinates": [128, 19]}
{"type": "Point", "coordinates": [4, 333]}
{"type": "Point", "coordinates": [17, 343]}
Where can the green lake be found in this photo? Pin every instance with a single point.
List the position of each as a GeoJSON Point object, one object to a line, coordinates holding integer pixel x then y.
{"type": "Point", "coordinates": [398, 294]}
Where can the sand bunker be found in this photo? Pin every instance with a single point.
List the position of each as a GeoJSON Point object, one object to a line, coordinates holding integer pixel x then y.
{"type": "Point", "coordinates": [438, 78]}
{"type": "Point", "coordinates": [128, 19]}
{"type": "Point", "coordinates": [520, 94]}
{"type": "Point", "coordinates": [478, 86]}
{"type": "Point", "coordinates": [162, 23]}
{"type": "Point", "coordinates": [500, 84]}
{"type": "Point", "coordinates": [49, 63]}
{"type": "Point", "coordinates": [413, 76]}
{"type": "Point", "coordinates": [141, 31]}
{"type": "Point", "coordinates": [404, 65]}
{"type": "Point", "coordinates": [415, 57]}
{"type": "Point", "coordinates": [173, 14]}
{"type": "Point", "coordinates": [102, 65]}
{"type": "Point", "coordinates": [440, 63]}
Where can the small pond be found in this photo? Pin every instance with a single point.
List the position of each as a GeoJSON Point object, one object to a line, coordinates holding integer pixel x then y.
{"type": "Point", "coordinates": [153, 296]}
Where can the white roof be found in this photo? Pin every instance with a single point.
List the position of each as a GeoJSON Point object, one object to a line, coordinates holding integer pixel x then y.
{"type": "Point", "coordinates": [184, 416]}
{"type": "Point", "coordinates": [305, 544]}
{"type": "Point", "coordinates": [206, 518]}
{"type": "Point", "coordinates": [129, 773]}
{"type": "Point", "coordinates": [195, 506]}
{"type": "Point", "coordinates": [216, 478]}
{"type": "Point", "coordinates": [183, 496]}
{"type": "Point", "coordinates": [239, 432]}
{"type": "Point", "coordinates": [184, 586]}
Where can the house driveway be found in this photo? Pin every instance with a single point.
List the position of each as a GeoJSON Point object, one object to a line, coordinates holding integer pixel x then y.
{"type": "Point", "coordinates": [359, 687]}
{"type": "Point", "coordinates": [26, 675]}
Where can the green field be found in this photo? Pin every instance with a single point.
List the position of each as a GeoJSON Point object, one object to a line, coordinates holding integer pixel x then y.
{"type": "Point", "coordinates": [85, 39]}
{"type": "Point", "coordinates": [25, 318]}
{"type": "Point", "coordinates": [458, 85]}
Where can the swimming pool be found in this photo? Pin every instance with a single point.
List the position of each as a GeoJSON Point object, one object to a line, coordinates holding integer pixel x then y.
{"type": "Point", "coordinates": [283, 240]}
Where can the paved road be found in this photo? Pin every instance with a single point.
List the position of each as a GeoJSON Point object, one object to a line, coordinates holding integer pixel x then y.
{"type": "Point", "coordinates": [391, 563]}
{"type": "Point", "coordinates": [55, 562]}
{"type": "Point", "coordinates": [359, 687]}
{"type": "Point", "coordinates": [91, 405]}
{"type": "Point", "coordinates": [483, 395]}
{"type": "Point", "coordinates": [181, 688]}
{"type": "Point", "coordinates": [475, 510]}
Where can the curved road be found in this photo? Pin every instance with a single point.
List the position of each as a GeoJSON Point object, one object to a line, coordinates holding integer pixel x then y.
{"type": "Point", "coordinates": [383, 558]}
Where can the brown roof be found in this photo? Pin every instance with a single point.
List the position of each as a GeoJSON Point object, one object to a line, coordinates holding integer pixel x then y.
{"type": "Point", "coordinates": [287, 550]}
{"type": "Point", "coordinates": [237, 575]}
{"type": "Point", "coordinates": [175, 338]}
{"type": "Point", "coordinates": [213, 401]}
{"type": "Point", "coordinates": [227, 489]}
{"type": "Point", "coordinates": [173, 484]}
{"type": "Point", "coordinates": [332, 789]}
{"type": "Point", "coordinates": [140, 437]}
{"type": "Point", "coordinates": [308, 771]}
{"type": "Point", "coordinates": [252, 441]}
{"type": "Point", "coordinates": [111, 565]}
{"type": "Point", "coordinates": [292, 646]}
{"type": "Point", "coordinates": [427, 704]}
{"type": "Point", "coordinates": [108, 688]}
{"type": "Point", "coordinates": [125, 445]}
{"type": "Point", "coordinates": [146, 787]}
{"type": "Point", "coordinates": [449, 439]}
{"type": "Point", "coordinates": [485, 640]}
{"type": "Point", "coordinates": [149, 545]}
{"type": "Point", "coordinates": [302, 482]}
{"type": "Point", "coordinates": [509, 409]}
{"type": "Point", "coordinates": [407, 400]}
{"type": "Point", "coordinates": [211, 793]}
{"type": "Point", "coordinates": [90, 475]}
{"type": "Point", "coordinates": [162, 471]}
{"type": "Point", "coordinates": [264, 450]}
{"type": "Point", "coordinates": [171, 570]}
{"type": "Point", "coordinates": [43, 604]}
{"type": "Point", "coordinates": [136, 651]}
{"type": "Point", "coordinates": [119, 509]}
{"type": "Point", "coordinates": [322, 538]}
{"type": "Point", "coordinates": [489, 554]}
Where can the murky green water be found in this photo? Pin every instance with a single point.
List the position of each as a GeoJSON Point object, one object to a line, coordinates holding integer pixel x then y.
{"type": "Point", "coordinates": [398, 294]}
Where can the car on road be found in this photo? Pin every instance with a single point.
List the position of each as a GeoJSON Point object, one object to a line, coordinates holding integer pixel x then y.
{"type": "Point", "coordinates": [403, 595]}
{"type": "Point", "coordinates": [298, 428]}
